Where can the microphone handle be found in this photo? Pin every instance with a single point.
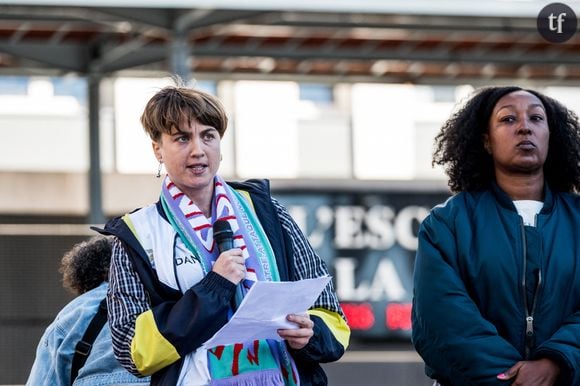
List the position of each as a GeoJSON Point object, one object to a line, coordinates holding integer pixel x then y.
{"type": "Point", "coordinates": [226, 245]}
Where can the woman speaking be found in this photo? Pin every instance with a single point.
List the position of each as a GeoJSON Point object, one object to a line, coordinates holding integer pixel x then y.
{"type": "Point", "coordinates": [171, 288]}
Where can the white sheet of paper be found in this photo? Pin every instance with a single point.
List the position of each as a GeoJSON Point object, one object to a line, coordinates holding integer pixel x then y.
{"type": "Point", "coordinates": [264, 308]}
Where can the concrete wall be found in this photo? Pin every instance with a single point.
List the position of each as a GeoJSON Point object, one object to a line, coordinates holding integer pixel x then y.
{"type": "Point", "coordinates": [67, 193]}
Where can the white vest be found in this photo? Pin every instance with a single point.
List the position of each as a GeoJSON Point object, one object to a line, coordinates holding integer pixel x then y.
{"type": "Point", "coordinates": [167, 254]}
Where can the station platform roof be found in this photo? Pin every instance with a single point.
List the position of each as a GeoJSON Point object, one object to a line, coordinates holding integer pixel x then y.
{"type": "Point", "coordinates": [413, 41]}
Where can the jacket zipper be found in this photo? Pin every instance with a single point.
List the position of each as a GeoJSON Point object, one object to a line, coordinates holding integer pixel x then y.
{"type": "Point", "coordinates": [529, 313]}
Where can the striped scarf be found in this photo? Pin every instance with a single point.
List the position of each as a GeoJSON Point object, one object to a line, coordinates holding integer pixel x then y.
{"type": "Point", "coordinates": [245, 363]}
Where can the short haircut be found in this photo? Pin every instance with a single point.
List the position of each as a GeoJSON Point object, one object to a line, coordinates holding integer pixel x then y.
{"type": "Point", "coordinates": [170, 106]}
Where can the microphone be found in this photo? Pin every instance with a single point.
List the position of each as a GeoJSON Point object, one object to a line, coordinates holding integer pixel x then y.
{"type": "Point", "coordinates": [224, 238]}
{"type": "Point", "coordinates": [223, 235]}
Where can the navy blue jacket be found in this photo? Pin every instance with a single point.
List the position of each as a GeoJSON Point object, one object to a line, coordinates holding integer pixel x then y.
{"type": "Point", "coordinates": [470, 309]}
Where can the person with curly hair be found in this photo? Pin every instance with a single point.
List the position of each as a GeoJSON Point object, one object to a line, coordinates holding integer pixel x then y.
{"type": "Point", "coordinates": [86, 265]}
{"type": "Point", "coordinates": [85, 270]}
{"type": "Point", "coordinates": [497, 274]}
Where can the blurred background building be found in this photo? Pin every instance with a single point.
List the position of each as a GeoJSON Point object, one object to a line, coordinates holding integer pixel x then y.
{"type": "Point", "coordinates": [337, 103]}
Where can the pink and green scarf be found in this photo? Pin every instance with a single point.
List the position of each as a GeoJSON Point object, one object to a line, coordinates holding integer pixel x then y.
{"type": "Point", "coordinates": [245, 363]}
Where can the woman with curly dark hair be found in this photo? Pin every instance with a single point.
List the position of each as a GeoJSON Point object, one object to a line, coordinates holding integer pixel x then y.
{"type": "Point", "coordinates": [461, 146]}
{"type": "Point", "coordinates": [61, 357]}
{"type": "Point", "coordinates": [497, 275]}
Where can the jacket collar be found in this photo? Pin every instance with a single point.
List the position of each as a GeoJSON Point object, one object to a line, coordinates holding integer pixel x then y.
{"type": "Point", "coordinates": [506, 201]}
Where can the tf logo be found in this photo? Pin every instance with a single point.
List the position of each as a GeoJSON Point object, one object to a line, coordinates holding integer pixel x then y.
{"type": "Point", "coordinates": [557, 23]}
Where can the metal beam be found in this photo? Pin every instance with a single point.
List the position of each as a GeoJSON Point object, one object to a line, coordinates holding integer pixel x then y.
{"type": "Point", "coordinates": [66, 56]}
{"type": "Point", "coordinates": [440, 54]}
{"type": "Point", "coordinates": [96, 215]}
{"type": "Point", "coordinates": [179, 52]}
{"type": "Point", "coordinates": [493, 8]}
{"type": "Point", "coordinates": [118, 52]}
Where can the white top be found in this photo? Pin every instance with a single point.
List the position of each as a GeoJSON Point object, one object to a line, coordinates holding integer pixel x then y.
{"type": "Point", "coordinates": [528, 209]}
{"type": "Point", "coordinates": [156, 236]}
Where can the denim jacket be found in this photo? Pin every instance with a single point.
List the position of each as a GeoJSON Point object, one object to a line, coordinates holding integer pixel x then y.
{"type": "Point", "coordinates": [54, 354]}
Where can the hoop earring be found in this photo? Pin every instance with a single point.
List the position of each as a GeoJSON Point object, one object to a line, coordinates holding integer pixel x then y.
{"type": "Point", "coordinates": [159, 169]}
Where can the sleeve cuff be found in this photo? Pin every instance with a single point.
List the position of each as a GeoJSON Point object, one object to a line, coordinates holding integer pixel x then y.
{"type": "Point", "coordinates": [216, 283]}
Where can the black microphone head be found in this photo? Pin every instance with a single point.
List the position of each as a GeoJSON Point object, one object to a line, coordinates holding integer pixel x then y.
{"type": "Point", "coordinates": [222, 231]}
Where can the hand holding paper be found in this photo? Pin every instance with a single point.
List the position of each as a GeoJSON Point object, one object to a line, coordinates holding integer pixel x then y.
{"type": "Point", "coordinates": [298, 338]}
{"type": "Point", "coordinates": [264, 309]}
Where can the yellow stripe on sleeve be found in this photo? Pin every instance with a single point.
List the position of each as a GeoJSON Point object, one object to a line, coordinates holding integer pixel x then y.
{"type": "Point", "coordinates": [127, 219]}
{"type": "Point", "coordinates": [149, 349]}
{"type": "Point", "coordinates": [335, 323]}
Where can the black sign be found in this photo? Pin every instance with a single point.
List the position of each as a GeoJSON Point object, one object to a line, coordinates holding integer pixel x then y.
{"type": "Point", "coordinates": [369, 242]}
